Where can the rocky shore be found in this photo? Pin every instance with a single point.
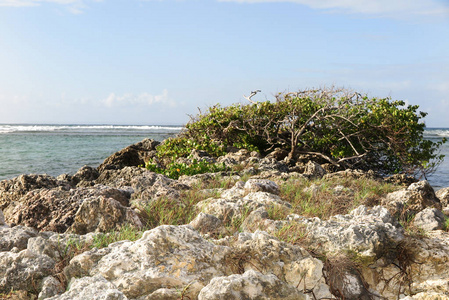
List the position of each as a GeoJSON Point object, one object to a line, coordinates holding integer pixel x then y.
{"type": "Point", "coordinates": [233, 248]}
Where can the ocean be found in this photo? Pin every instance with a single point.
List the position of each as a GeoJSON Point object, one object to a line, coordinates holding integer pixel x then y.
{"type": "Point", "coordinates": [59, 149]}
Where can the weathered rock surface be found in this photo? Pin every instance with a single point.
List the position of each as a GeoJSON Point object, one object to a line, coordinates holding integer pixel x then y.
{"type": "Point", "coordinates": [314, 170]}
{"type": "Point", "coordinates": [430, 219]}
{"type": "Point", "coordinates": [2, 218]}
{"type": "Point", "coordinates": [95, 288]}
{"type": "Point", "coordinates": [293, 264]}
{"type": "Point", "coordinates": [85, 176]}
{"type": "Point", "coordinates": [408, 202]}
{"type": "Point", "coordinates": [443, 195]}
{"type": "Point", "coordinates": [12, 190]}
{"type": "Point", "coordinates": [16, 237]}
{"type": "Point", "coordinates": [50, 287]}
{"type": "Point", "coordinates": [165, 257]}
{"type": "Point", "coordinates": [143, 184]}
{"type": "Point", "coordinates": [102, 214]}
{"type": "Point", "coordinates": [23, 270]}
{"type": "Point", "coordinates": [261, 185]}
{"type": "Point", "coordinates": [249, 285]}
{"type": "Point", "coordinates": [134, 155]}
{"type": "Point", "coordinates": [55, 209]}
{"type": "Point", "coordinates": [366, 231]}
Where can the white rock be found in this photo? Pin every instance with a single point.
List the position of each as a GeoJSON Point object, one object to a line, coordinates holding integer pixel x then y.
{"type": "Point", "coordinates": [15, 237]}
{"type": "Point", "coordinates": [261, 185]}
{"type": "Point", "coordinates": [50, 287]}
{"type": "Point", "coordinates": [250, 285]}
{"type": "Point", "coordinates": [165, 257]}
{"type": "Point", "coordinates": [443, 195]}
{"type": "Point", "coordinates": [430, 219]}
{"type": "Point", "coordinates": [367, 231]}
{"type": "Point", "coordinates": [24, 270]}
{"type": "Point", "coordinates": [93, 288]}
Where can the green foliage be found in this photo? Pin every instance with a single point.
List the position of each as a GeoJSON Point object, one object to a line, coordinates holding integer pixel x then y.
{"type": "Point", "coordinates": [126, 232]}
{"type": "Point", "coordinates": [174, 170]}
{"type": "Point", "coordinates": [335, 126]}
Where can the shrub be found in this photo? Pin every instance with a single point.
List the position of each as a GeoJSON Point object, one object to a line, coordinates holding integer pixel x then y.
{"type": "Point", "coordinates": [336, 126]}
{"type": "Point", "coordinates": [174, 170]}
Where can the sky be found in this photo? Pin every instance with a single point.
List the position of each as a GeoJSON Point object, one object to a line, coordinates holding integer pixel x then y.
{"type": "Point", "coordinates": [157, 62]}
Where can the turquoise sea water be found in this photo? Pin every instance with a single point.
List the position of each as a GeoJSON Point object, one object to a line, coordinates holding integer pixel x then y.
{"type": "Point", "coordinates": [59, 149]}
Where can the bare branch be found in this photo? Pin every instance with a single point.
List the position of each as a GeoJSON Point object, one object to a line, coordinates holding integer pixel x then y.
{"type": "Point", "coordinates": [321, 155]}
{"type": "Point", "coordinates": [253, 93]}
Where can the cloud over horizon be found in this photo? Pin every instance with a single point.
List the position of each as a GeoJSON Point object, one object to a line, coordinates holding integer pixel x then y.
{"type": "Point", "coordinates": [74, 6]}
{"type": "Point", "coordinates": [384, 8]}
{"type": "Point", "coordinates": [379, 7]}
{"type": "Point", "coordinates": [143, 99]}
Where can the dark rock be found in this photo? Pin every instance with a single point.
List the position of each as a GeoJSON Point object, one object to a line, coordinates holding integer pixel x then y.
{"type": "Point", "coordinates": [144, 183]}
{"type": "Point", "coordinates": [55, 209]}
{"type": "Point", "coordinates": [86, 173]}
{"type": "Point", "coordinates": [12, 190]}
{"type": "Point", "coordinates": [278, 154]}
{"type": "Point", "coordinates": [134, 155]}
{"type": "Point", "coordinates": [400, 179]}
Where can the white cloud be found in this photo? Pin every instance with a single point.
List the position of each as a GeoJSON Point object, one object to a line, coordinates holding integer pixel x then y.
{"type": "Point", "coordinates": [378, 7]}
{"type": "Point", "coordinates": [74, 6]}
{"type": "Point", "coordinates": [144, 99]}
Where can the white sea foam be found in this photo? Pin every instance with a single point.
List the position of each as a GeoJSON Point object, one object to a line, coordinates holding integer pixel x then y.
{"type": "Point", "coordinates": [6, 128]}
{"type": "Point", "coordinates": [436, 132]}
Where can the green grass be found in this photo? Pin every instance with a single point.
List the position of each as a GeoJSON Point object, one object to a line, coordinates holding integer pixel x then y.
{"type": "Point", "coordinates": [126, 232]}
{"type": "Point", "coordinates": [324, 202]}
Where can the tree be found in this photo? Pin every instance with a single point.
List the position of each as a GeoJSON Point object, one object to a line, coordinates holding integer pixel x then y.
{"type": "Point", "coordinates": [337, 126]}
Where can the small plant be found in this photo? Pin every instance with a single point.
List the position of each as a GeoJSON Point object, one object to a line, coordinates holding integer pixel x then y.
{"type": "Point", "coordinates": [446, 225]}
{"type": "Point", "coordinates": [168, 211]}
{"type": "Point", "coordinates": [126, 232]}
{"type": "Point", "coordinates": [278, 212]}
{"type": "Point", "coordinates": [323, 202]}
{"type": "Point", "coordinates": [292, 233]}
{"type": "Point", "coordinates": [175, 170]}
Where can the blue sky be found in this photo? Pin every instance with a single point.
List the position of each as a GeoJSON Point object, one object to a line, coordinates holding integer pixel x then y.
{"type": "Point", "coordinates": [156, 62]}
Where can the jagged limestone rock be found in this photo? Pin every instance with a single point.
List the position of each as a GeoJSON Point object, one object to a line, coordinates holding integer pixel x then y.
{"type": "Point", "coordinates": [443, 195]}
{"type": "Point", "coordinates": [249, 285]}
{"type": "Point", "coordinates": [133, 155]}
{"type": "Point", "coordinates": [314, 170]}
{"type": "Point", "coordinates": [23, 270]}
{"type": "Point", "coordinates": [412, 200]}
{"type": "Point", "coordinates": [2, 218]}
{"type": "Point", "coordinates": [50, 287]}
{"type": "Point", "coordinates": [54, 209]}
{"type": "Point", "coordinates": [261, 185]}
{"type": "Point", "coordinates": [366, 231]}
{"type": "Point", "coordinates": [93, 288]}
{"type": "Point", "coordinates": [292, 264]}
{"type": "Point", "coordinates": [165, 257]}
{"type": "Point", "coordinates": [15, 237]}
{"type": "Point", "coordinates": [101, 214]}
{"type": "Point", "coordinates": [430, 219]}
{"type": "Point", "coordinates": [207, 224]}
